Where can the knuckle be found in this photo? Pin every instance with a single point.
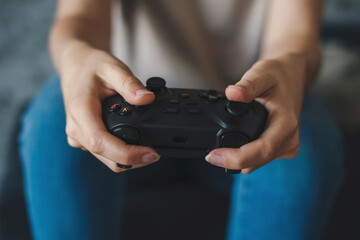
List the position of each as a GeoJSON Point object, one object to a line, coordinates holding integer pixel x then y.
{"type": "Point", "coordinates": [75, 106]}
{"type": "Point", "coordinates": [269, 150]}
{"type": "Point", "coordinates": [233, 163]}
{"type": "Point", "coordinates": [129, 81]}
{"type": "Point", "coordinates": [112, 67]}
{"type": "Point", "coordinates": [293, 122]}
{"type": "Point", "coordinates": [95, 144]}
{"type": "Point", "coordinates": [295, 151]}
{"type": "Point", "coordinates": [70, 131]}
{"type": "Point", "coordinates": [249, 84]}
{"type": "Point", "coordinates": [72, 143]}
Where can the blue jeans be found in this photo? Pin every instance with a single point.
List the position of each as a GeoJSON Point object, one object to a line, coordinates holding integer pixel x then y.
{"type": "Point", "coordinates": [71, 195]}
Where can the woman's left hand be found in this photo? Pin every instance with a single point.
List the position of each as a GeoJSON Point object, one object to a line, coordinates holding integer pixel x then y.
{"type": "Point", "coordinates": [279, 85]}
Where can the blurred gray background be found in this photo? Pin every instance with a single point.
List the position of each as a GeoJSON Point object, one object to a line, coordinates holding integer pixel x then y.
{"type": "Point", "coordinates": [25, 65]}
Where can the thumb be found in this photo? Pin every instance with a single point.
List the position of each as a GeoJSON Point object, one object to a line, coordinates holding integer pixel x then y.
{"type": "Point", "coordinates": [251, 86]}
{"type": "Point", "coordinates": [126, 84]}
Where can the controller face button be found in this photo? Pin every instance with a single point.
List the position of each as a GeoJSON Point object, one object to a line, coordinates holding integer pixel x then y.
{"type": "Point", "coordinates": [203, 95]}
{"type": "Point", "coordinates": [174, 101]}
{"type": "Point", "coordinates": [171, 110]}
{"type": "Point", "coordinates": [125, 111]}
{"type": "Point", "coordinates": [130, 135]}
{"type": "Point", "coordinates": [232, 140]}
{"type": "Point", "coordinates": [236, 108]}
{"type": "Point", "coordinates": [155, 84]}
{"type": "Point", "coordinates": [212, 98]}
{"type": "Point", "coordinates": [221, 96]}
{"type": "Point", "coordinates": [213, 92]}
{"type": "Point", "coordinates": [192, 111]}
{"type": "Point", "coordinates": [184, 95]}
{"type": "Point", "coordinates": [114, 107]}
{"type": "Point", "coordinates": [190, 102]}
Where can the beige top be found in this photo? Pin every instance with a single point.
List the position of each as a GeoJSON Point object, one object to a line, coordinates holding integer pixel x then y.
{"type": "Point", "coordinates": [190, 43]}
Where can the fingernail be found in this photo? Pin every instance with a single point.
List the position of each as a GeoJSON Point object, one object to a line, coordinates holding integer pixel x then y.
{"type": "Point", "coordinates": [143, 92]}
{"type": "Point", "coordinates": [215, 159]}
{"type": "Point", "coordinates": [150, 157]}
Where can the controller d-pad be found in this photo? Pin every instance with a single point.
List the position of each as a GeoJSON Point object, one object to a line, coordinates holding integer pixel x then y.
{"type": "Point", "coordinates": [130, 135]}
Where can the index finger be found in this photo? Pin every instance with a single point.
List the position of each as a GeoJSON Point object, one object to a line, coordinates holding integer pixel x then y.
{"type": "Point", "coordinates": [94, 136]}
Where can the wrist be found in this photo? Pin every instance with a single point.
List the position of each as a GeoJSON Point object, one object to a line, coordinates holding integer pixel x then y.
{"type": "Point", "coordinates": [73, 54]}
{"type": "Point", "coordinates": [308, 60]}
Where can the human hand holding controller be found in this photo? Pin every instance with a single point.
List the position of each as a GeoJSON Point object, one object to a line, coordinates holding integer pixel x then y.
{"type": "Point", "coordinates": [93, 75]}
{"type": "Point", "coordinates": [279, 84]}
{"type": "Point", "coordinates": [88, 76]}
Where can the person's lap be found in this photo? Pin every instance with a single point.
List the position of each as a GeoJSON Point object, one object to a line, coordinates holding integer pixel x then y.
{"type": "Point", "coordinates": [72, 195]}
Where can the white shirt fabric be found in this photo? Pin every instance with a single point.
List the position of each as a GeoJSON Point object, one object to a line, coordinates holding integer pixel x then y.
{"type": "Point", "coordinates": [188, 42]}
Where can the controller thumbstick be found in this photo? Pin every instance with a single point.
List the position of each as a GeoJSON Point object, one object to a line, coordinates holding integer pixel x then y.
{"type": "Point", "coordinates": [237, 108]}
{"type": "Point", "coordinates": [155, 84]}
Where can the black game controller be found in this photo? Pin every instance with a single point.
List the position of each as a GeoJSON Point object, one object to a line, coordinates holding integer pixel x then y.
{"type": "Point", "coordinates": [184, 123]}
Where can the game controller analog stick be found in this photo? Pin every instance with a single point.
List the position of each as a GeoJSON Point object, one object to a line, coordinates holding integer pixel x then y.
{"type": "Point", "coordinates": [236, 108]}
{"type": "Point", "coordinates": [155, 84]}
{"type": "Point", "coordinates": [184, 123]}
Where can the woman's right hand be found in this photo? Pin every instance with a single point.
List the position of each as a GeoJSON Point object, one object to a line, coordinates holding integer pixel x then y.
{"type": "Point", "coordinates": [88, 76]}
